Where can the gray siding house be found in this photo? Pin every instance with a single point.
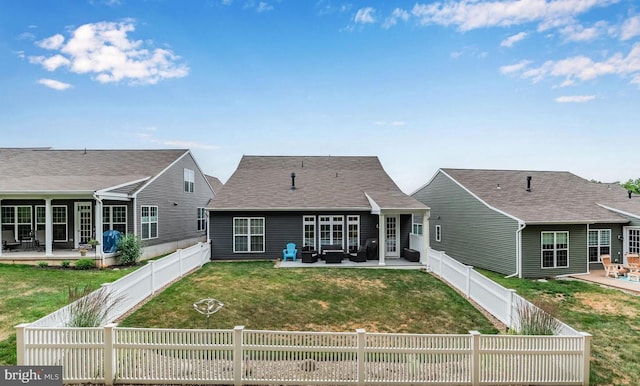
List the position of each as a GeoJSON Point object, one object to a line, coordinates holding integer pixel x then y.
{"type": "Point", "coordinates": [63, 198]}
{"type": "Point", "coordinates": [529, 224]}
{"type": "Point", "coordinates": [314, 202]}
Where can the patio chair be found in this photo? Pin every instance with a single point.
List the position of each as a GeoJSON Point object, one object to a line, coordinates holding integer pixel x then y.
{"type": "Point", "coordinates": [633, 262]}
{"type": "Point", "coordinates": [610, 269]}
{"type": "Point", "coordinates": [9, 241]}
{"type": "Point", "coordinates": [290, 251]}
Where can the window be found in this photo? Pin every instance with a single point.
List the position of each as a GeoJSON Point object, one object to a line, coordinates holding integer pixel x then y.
{"type": "Point", "coordinates": [599, 244]}
{"type": "Point", "coordinates": [417, 224]}
{"type": "Point", "coordinates": [331, 228]}
{"type": "Point", "coordinates": [189, 180]}
{"type": "Point", "coordinates": [353, 233]}
{"type": "Point", "coordinates": [555, 249]}
{"type": "Point", "coordinates": [149, 222]}
{"type": "Point", "coordinates": [309, 231]}
{"type": "Point", "coordinates": [114, 217]}
{"type": "Point", "coordinates": [59, 220]}
{"type": "Point", "coordinates": [202, 219]}
{"type": "Point", "coordinates": [248, 234]}
{"type": "Point", "coordinates": [18, 220]}
{"type": "Point", "coordinates": [438, 233]}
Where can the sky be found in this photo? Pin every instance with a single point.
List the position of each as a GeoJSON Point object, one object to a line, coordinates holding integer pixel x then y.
{"type": "Point", "coordinates": [423, 85]}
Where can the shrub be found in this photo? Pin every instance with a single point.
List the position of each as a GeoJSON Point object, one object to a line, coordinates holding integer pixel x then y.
{"type": "Point", "coordinates": [91, 308]}
{"type": "Point", "coordinates": [43, 264]}
{"type": "Point", "coordinates": [130, 247]}
{"type": "Point", "coordinates": [65, 264]}
{"type": "Point", "coordinates": [538, 318]}
{"type": "Point", "coordinates": [85, 264]}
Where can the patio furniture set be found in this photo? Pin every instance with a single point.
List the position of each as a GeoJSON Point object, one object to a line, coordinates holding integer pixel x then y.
{"type": "Point", "coordinates": [25, 243]}
{"type": "Point", "coordinates": [333, 254]}
{"type": "Point", "coordinates": [631, 270]}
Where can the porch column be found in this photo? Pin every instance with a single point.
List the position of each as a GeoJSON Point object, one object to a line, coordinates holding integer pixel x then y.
{"type": "Point", "coordinates": [425, 238]}
{"type": "Point", "coordinates": [1, 228]}
{"type": "Point", "coordinates": [98, 230]}
{"type": "Point", "coordinates": [382, 242]}
{"type": "Point", "coordinates": [48, 228]}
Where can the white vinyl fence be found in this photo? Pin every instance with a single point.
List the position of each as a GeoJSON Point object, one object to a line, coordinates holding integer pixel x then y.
{"type": "Point", "coordinates": [501, 302]}
{"type": "Point", "coordinates": [114, 355]}
{"type": "Point", "coordinates": [138, 285]}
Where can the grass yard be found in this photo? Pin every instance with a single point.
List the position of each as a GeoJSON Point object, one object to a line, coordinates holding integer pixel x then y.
{"type": "Point", "coordinates": [610, 315]}
{"type": "Point", "coordinates": [28, 293]}
{"type": "Point", "coordinates": [259, 296]}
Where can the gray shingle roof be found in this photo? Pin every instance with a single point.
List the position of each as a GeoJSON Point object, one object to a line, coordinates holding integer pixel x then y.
{"type": "Point", "coordinates": [264, 183]}
{"type": "Point", "coordinates": [555, 197]}
{"type": "Point", "coordinates": [46, 170]}
{"type": "Point", "coordinates": [215, 183]}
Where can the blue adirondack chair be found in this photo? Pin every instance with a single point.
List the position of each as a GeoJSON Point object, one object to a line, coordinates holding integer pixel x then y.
{"type": "Point", "coordinates": [290, 251]}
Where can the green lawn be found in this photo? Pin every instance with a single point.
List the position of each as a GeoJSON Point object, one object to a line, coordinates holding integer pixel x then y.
{"type": "Point", "coordinates": [28, 293]}
{"type": "Point", "coordinates": [259, 296]}
{"type": "Point", "coordinates": [610, 315]}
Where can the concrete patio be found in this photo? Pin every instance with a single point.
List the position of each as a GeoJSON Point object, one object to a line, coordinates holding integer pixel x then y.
{"type": "Point", "coordinates": [597, 276]}
{"type": "Point", "coordinates": [390, 263]}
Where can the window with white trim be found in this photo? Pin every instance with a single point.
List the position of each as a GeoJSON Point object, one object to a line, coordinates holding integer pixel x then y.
{"type": "Point", "coordinates": [555, 249]}
{"type": "Point", "coordinates": [114, 217]}
{"type": "Point", "coordinates": [438, 233]}
{"type": "Point", "coordinates": [202, 219]}
{"type": "Point", "coordinates": [58, 220]}
{"type": "Point", "coordinates": [416, 221]}
{"type": "Point", "coordinates": [599, 242]}
{"type": "Point", "coordinates": [18, 220]}
{"type": "Point", "coordinates": [149, 222]}
{"type": "Point", "coordinates": [248, 234]}
{"type": "Point", "coordinates": [633, 240]}
{"type": "Point", "coordinates": [309, 231]}
{"type": "Point", "coordinates": [353, 233]}
{"type": "Point", "coordinates": [189, 180]}
{"type": "Point", "coordinates": [331, 230]}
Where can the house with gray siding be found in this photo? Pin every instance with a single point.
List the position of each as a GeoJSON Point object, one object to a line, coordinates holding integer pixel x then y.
{"type": "Point", "coordinates": [530, 224]}
{"type": "Point", "coordinates": [60, 199]}
{"type": "Point", "coordinates": [314, 202]}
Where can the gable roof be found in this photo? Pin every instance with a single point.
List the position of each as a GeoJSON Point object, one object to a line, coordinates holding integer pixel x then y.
{"type": "Point", "coordinates": [76, 171]}
{"type": "Point", "coordinates": [215, 183]}
{"type": "Point", "coordinates": [555, 197]}
{"type": "Point", "coordinates": [321, 183]}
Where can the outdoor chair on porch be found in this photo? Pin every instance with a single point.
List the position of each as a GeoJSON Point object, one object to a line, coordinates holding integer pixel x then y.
{"type": "Point", "coordinates": [290, 251]}
{"type": "Point", "coordinates": [9, 241]}
{"type": "Point", "coordinates": [610, 269]}
{"type": "Point", "coordinates": [633, 262]}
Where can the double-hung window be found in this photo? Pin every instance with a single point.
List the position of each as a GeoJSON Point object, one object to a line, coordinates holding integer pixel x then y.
{"type": "Point", "coordinates": [114, 217]}
{"type": "Point", "coordinates": [599, 244]}
{"type": "Point", "coordinates": [416, 224]}
{"type": "Point", "coordinates": [555, 249]}
{"type": "Point", "coordinates": [189, 180]}
{"type": "Point", "coordinates": [149, 222]}
{"type": "Point", "coordinates": [202, 219]}
{"type": "Point", "coordinates": [248, 234]}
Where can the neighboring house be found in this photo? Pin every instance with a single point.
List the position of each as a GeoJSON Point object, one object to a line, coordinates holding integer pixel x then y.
{"type": "Point", "coordinates": [270, 201]}
{"type": "Point", "coordinates": [529, 223]}
{"type": "Point", "coordinates": [64, 198]}
{"type": "Point", "coordinates": [215, 183]}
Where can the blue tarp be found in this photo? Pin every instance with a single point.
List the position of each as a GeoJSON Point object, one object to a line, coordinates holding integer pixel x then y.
{"type": "Point", "coordinates": [110, 240]}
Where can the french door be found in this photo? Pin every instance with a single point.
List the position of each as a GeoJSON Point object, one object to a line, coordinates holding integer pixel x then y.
{"type": "Point", "coordinates": [84, 223]}
{"type": "Point", "coordinates": [392, 248]}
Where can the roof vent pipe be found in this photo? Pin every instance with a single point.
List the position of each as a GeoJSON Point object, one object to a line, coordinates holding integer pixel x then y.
{"type": "Point", "coordinates": [528, 183]}
{"type": "Point", "coordinates": [293, 181]}
{"type": "Point", "coordinates": [629, 192]}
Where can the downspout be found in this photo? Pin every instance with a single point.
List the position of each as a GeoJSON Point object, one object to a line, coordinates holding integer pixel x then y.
{"type": "Point", "coordinates": [518, 272]}
{"type": "Point", "coordinates": [99, 230]}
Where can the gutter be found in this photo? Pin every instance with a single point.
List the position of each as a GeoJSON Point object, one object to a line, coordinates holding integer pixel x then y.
{"type": "Point", "coordinates": [521, 226]}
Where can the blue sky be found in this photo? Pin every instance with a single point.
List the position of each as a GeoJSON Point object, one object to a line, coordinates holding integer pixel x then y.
{"type": "Point", "coordinates": [501, 84]}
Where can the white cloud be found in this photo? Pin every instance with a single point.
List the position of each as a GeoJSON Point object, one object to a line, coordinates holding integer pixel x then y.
{"type": "Point", "coordinates": [397, 14]}
{"type": "Point", "coordinates": [26, 36]}
{"type": "Point", "coordinates": [513, 39]}
{"type": "Point", "coordinates": [51, 43]}
{"type": "Point", "coordinates": [54, 84]}
{"type": "Point", "coordinates": [365, 16]}
{"type": "Point", "coordinates": [263, 7]}
{"type": "Point", "coordinates": [513, 68]}
{"type": "Point", "coordinates": [582, 68]}
{"type": "Point", "coordinates": [105, 50]}
{"type": "Point", "coordinates": [578, 33]}
{"type": "Point", "coordinates": [472, 14]}
{"type": "Point", "coordinates": [630, 28]}
{"type": "Point", "coordinates": [575, 98]}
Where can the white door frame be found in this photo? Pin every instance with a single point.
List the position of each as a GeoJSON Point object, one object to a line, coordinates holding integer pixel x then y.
{"type": "Point", "coordinates": [77, 229]}
{"type": "Point", "coordinates": [625, 238]}
{"type": "Point", "coordinates": [396, 235]}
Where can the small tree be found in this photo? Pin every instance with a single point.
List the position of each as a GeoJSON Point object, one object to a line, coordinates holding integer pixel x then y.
{"type": "Point", "coordinates": [130, 247]}
{"type": "Point", "coordinates": [633, 185]}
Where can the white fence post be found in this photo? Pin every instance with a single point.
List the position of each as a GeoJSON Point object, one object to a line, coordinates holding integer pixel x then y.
{"type": "Point", "coordinates": [237, 355]}
{"type": "Point", "coordinates": [467, 292]}
{"type": "Point", "coordinates": [361, 354]}
{"type": "Point", "coordinates": [586, 358]}
{"type": "Point", "coordinates": [509, 301]}
{"type": "Point", "coordinates": [441, 260]}
{"type": "Point", "coordinates": [475, 357]}
{"type": "Point", "coordinates": [179, 252]}
{"type": "Point", "coordinates": [20, 351]}
{"type": "Point", "coordinates": [109, 354]}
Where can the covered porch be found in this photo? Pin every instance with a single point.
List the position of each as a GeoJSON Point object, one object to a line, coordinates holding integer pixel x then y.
{"type": "Point", "coordinates": [57, 256]}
